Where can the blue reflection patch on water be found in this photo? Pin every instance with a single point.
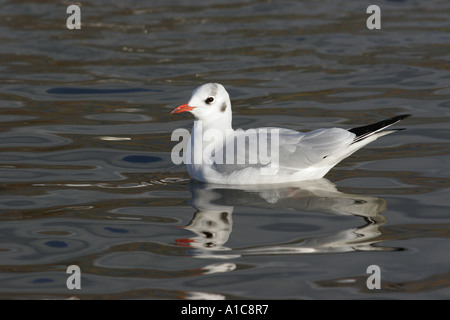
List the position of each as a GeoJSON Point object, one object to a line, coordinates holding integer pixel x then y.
{"type": "Point", "coordinates": [116, 230]}
{"type": "Point", "coordinates": [141, 159]}
{"type": "Point", "coordinates": [42, 280]}
{"type": "Point", "coordinates": [56, 244]}
{"type": "Point", "coordinates": [68, 90]}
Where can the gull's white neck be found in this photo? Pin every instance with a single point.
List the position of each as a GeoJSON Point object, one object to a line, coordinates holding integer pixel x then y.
{"type": "Point", "coordinates": [205, 134]}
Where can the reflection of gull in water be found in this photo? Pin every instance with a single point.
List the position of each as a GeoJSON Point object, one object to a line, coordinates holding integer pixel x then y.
{"type": "Point", "coordinates": [212, 222]}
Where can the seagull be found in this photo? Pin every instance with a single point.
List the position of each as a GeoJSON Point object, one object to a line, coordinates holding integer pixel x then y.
{"type": "Point", "coordinates": [217, 153]}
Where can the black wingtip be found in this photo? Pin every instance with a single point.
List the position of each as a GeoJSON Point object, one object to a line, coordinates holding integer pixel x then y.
{"type": "Point", "coordinates": [365, 131]}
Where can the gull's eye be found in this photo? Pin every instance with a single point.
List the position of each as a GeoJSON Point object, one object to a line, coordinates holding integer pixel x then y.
{"type": "Point", "coordinates": [209, 100]}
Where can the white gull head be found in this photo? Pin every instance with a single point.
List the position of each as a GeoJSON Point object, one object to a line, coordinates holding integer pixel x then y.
{"type": "Point", "coordinates": [211, 104]}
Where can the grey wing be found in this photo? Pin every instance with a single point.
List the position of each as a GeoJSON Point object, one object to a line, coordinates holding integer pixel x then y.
{"type": "Point", "coordinates": [289, 148]}
{"type": "Point", "coordinates": [312, 147]}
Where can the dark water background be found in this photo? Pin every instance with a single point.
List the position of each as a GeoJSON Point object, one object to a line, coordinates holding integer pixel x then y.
{"type": "Point", "coordinates": [86, 176]}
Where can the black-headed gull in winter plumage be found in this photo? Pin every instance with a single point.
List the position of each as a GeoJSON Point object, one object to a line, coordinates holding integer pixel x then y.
{"type": "Point", "coordinates": [216, 153]}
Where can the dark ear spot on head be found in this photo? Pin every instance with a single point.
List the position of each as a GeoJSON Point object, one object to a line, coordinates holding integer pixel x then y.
{"type": "Point", "coordinates": [224, 217]}
{"type": "Point", "coordinates": [223, 107]}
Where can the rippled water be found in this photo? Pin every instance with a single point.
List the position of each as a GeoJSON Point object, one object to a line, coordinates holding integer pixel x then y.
{"type": "Point", "coordinates": [87, 179]}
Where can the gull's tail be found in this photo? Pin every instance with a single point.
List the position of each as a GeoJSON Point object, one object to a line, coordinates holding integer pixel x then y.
{"type": "Point", "coordinates": [363, 136]}
{"type": "Point", "coordinates": [369, 130]}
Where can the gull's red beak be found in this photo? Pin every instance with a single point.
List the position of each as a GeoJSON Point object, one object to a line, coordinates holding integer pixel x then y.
{"type": "Point", "coordinates": [183, 108]}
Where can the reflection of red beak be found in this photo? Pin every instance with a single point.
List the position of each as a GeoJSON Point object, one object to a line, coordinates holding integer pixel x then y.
{"type": "Point", "coordinates": [183, 242]}
{"type": "Point", "coordinates": [183, 108]}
